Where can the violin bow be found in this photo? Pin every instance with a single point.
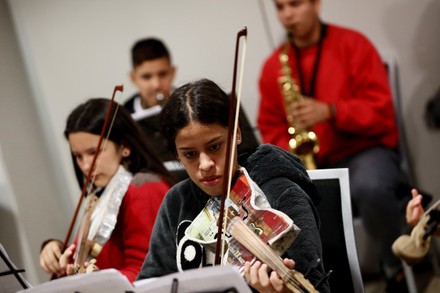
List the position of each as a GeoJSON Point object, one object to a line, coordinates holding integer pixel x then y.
{"type": "Point", "coordinates": [87, 187]}
{"type": "Point", "coordinates": [294, 280]}
{"type": "Point", "coordinates": [234, 108]}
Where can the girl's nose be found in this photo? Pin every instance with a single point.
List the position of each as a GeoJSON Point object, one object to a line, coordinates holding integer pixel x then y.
{"type": "Point", "coordinates": [206, 162]}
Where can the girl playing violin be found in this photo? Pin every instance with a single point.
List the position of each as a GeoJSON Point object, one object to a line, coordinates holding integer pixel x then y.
{"type": "Point", "coordinates": [195, 123]}
{"type": "Point", "coordinates": [130, 182]}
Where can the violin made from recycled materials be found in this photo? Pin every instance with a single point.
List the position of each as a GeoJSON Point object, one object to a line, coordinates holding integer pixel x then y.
{"type": "Point", "coordinates": [260, 233]}
{"type": "Point", "coordinates": [237, 207]}
{"type": "Point", "coordinates": [414, 247]}
{"type": "Point", "coordinates": [244, 234]}
{"type": "Point", "coordinates": [247, 202]}
{"type": "Point", "coordinates": [84, 247]}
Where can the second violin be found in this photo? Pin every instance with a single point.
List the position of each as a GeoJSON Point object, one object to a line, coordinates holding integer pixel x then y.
{"type": "Point", "coordinates": [128, 180]}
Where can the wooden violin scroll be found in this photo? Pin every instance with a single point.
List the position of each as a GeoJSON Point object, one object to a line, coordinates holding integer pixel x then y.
{"type": "Point", "coordinates": [293, 280]}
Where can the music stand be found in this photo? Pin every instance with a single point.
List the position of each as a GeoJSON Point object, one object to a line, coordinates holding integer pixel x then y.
{"type": "Point", "coordinates": [11, 279]}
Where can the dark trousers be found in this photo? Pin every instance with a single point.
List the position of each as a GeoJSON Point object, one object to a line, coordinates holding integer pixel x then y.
{"type": "Point", "coordinates": [374, 179]}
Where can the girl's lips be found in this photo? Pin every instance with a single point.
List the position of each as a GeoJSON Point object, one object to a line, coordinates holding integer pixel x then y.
{"type": "Point", "coordinates": [211, 181]}
{"type": "Point", "coordinates": [96, 177]}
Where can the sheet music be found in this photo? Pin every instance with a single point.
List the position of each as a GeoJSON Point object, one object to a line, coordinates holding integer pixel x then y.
{"type": "Point", "coordinates": [216, 278]}
{"type": "Point", "coordinates": [10, 282]}
{"type": "Point", "coordinates": [109, 281]}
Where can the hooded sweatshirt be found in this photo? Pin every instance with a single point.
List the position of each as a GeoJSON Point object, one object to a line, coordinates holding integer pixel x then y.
{"type": "Point", "coordinates": [287, 187]}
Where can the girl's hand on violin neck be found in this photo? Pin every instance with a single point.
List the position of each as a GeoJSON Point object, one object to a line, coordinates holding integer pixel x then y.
{"type": "Point", "coordinates": [66, 267]}
{"type": "Point", "coordinates": [414, 209]}
{"type": "Point", "coordinates": [50, 255]}
{"type": "Point", "coordinates": [258, 277]}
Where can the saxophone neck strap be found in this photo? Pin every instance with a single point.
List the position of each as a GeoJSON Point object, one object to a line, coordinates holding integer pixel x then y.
{"type": "Point", "coordinates": [311, 91]}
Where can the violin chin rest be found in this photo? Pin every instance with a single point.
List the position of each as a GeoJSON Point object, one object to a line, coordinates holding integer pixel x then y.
{"type": "Point", "coordinates": [410, 250]}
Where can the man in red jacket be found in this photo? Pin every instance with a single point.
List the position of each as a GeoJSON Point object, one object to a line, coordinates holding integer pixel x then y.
{"type": "Point", "coordinates": [348, 104]}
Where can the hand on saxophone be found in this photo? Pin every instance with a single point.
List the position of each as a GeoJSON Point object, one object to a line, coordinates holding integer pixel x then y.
{"type": "Point", "coordinates": [308, 112]}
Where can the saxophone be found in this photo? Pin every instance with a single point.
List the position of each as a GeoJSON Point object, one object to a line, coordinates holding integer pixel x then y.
{"type": "Point", "coordinates": [303, 143]}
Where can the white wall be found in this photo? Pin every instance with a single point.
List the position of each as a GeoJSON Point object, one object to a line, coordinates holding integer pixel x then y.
{"type": "Point", "coordinates": [32, 205]}
{"type": "Point", "coordinates": [74, 50]}
{"type": "Point", "coordinates": [80, 49]}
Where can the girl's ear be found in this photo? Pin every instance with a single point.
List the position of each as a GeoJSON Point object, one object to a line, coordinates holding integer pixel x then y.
{"type": "Point", "coordinates": [239, 140]}
{"type": "Point", "coordinates": [126, 151]}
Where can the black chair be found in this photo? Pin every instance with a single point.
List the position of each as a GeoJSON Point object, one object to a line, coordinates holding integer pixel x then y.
{"type": "Point", "coordinates": [337, 234]}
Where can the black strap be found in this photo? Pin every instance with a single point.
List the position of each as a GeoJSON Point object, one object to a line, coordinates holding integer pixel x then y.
{"type": "Point", "coordinates": [311, 91]}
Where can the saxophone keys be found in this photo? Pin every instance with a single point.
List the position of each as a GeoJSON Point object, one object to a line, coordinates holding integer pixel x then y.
{"type": "Point", "coordinates": [284, 58]}
{"type": "Point", "coordinates": [287, 86]}
{"type": "Point", "coordinates": [312, 135]}
{"type": "Point", "coordinates": [292, 144]}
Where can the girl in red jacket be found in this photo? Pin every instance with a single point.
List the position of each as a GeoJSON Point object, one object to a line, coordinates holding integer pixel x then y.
{"type": "Point", "coordinates": [130, 183]}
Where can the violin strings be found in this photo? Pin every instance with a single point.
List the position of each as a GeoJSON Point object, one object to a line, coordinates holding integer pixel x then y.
{"type": "Point", "coordinates": [80, 235]}
{"type": "Point", "coordinates": [245, 236]}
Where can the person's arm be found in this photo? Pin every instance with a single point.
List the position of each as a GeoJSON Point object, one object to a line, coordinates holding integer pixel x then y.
{"type": "Point", "coordinates": [161, 258]}
{"type": "Point", "coordinates": [306, 249]}
{"type": "Point", "coordinates": [366, 106]}
{"type": "Point", "coordinates": [139, 211]}
{"type": "Point", "coordinates": [272, 122]}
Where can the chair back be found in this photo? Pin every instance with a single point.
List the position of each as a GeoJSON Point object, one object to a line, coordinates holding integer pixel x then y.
{"type": "Point", "coordinates": [337, 234]}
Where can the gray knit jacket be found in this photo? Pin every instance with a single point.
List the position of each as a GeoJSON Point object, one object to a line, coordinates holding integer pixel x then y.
{"type": "Point", "coordinates": [283, 179]}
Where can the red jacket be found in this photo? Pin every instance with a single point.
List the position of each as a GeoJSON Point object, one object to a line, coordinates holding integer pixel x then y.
{"type": "Point", "coordinates": [129, 242]}
{"type": "Point", "coordinates": [352, 76]}
{"type": "Point", "coordinates": [128, 245]}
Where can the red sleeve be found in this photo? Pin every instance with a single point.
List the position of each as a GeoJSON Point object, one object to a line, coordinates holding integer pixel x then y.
{"type": "Point", "coordinates": [139, 211]}
{"type": "Point", "coordinates": [366, 109]}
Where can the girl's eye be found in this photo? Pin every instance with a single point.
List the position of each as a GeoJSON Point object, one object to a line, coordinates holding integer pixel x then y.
{"type": "Point", "coordinates": [214, 147]}
{"type": "Point", "coordinates": [93, 152]}
{"type": "Point", "coordinates": [189, 155]}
